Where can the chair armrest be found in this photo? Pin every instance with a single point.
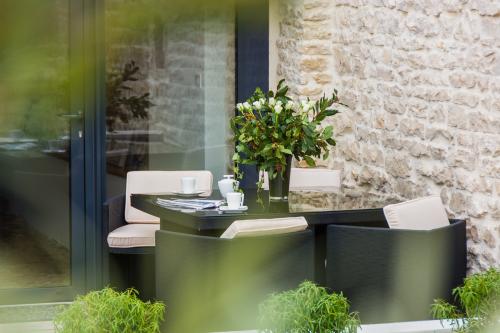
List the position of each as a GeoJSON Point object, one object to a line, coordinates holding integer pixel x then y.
{"type": "Point", "coordinates": [114, 213]}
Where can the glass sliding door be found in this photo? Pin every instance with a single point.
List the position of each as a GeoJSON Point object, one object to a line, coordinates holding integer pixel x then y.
{"type": "Point", "coordinates": [41, 151]}
{"type": "Point", "coordinates": [170, 86]}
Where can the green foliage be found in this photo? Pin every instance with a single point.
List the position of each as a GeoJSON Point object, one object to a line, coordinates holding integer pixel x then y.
{"type": "Point", "coordinates": [121, 103]}
{"type": "Point", "coordinates": [34, 68]}
{"type": "Point", "coordinates": [270, 127]}
{"type": "Point", "coordinates": [479, 300]}
{"type": "Point", "coordinates": [307, 309]}
{"type": "Point", "coordinates": [110, 311]}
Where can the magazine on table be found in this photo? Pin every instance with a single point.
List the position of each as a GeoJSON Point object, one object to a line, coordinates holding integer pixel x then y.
{"type": "Point", "coordinates": [197, 204]}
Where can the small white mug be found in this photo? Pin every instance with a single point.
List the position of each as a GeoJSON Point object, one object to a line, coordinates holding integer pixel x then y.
{"type": "Point", "coordinates": [188, 184]}
{"type": "Point", "coordinates": [235, 200]}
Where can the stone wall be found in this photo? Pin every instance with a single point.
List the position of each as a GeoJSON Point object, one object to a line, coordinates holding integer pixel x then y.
{"type": "Point", "coordinates": [422, 81]}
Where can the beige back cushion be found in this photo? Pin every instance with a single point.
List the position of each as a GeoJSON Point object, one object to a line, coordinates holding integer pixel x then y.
{"type": "Point", "coordinates": [310, 179]}
{"type": "Point", "coordinates": [314, 178]}
{"type": "Point", "coordinates": [420, 214]}
{"type": "Point", "coordinates": [262, 227]}
{"type": "Point", "coordinates": [150, 182]}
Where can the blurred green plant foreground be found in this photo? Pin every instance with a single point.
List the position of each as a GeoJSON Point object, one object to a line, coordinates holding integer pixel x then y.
{"type": "Point", "coordinates": [41, 69]}
{"type": "Point", "coordinates": [110, 311]}
{"type": "Point", "coordinates": [308, 308]}
{"type": "Point", "coordinates": [34, 64]}
{"type": "Point", "coordinates": [478, 309]}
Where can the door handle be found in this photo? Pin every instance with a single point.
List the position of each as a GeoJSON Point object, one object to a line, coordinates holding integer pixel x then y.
{"type": "Point", "coordinates": [72, 116]}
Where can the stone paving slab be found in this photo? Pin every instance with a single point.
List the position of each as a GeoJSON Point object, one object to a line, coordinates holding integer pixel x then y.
{"type": "Point", "coordinates": [430, 326]}
{"type": "Point", "coordinates": [32, 327]}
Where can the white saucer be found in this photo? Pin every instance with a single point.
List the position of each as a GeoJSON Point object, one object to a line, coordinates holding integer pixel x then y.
{"type": "Point", "coordinates": [192, 194]}
{"type": "Point", "coordinates": [226, 209]}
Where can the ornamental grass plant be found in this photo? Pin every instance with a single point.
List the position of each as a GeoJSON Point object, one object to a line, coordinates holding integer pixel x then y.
{"type": "Point", "coordinates": [307, 309]}
{"type": "Point", "coordinates": [110, 311]}
{"type": "Point", "coordinates": [478, 309]}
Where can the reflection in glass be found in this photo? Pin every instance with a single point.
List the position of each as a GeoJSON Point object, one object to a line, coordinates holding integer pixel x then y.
{"type": "Point", "coordinates": [34, 144]}
{"type": "Point", "coordinates": [174, 114]}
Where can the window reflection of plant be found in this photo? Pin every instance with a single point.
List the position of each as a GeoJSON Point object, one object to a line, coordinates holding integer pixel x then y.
{"type": "Point", "coordinates": [122, 104]}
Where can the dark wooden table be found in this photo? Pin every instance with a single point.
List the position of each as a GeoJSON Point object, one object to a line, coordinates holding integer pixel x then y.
{"type": "Point", "coordinates": [319, 209]}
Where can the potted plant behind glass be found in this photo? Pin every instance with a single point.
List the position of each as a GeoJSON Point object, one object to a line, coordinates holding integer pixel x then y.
{"type": "Point", "coordinates": [270, 128]}
{"type": "Point", "coordinates": [121, 101]}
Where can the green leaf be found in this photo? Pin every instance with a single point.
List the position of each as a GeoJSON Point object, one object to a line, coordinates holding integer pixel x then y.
{"type": "Point", "coordinates": [286, 151]}
{"type": "Point", "coordinates": [331, 112]}
{"type": "Point", "coordinates": [309, 161]}
{"type": "Point", "coordinates": [326, 154]}
{"type": "Point", "coordinates": [320, 116]}
{"type": "Point", "coordinates": [328, 132]}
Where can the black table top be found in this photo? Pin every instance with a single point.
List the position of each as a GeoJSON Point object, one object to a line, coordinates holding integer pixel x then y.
{"type": "Point", "coordinates": [319, 208]}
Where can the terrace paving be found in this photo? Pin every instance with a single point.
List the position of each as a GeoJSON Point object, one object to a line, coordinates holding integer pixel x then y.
{"type": "Point", "coordinates": [430, 326]}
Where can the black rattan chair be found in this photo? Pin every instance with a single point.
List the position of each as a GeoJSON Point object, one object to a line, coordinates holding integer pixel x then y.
{"type": "Point", "coordinates": [212, 284]}
{"type": "Point", "coordinates": [393, 274]}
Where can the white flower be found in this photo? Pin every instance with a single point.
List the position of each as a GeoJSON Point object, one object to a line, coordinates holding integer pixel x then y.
{"type": "Point", "coordinates": [247, 106]}
{"type": "Point", "coordinates": [289, 105]}
{"type": "Point", "coordinates": [262, 101]}
{"type": "Point", "coordinates": [257, 105]}
{"type": "Point", "coordinates": [239, 106]}
{"type": "Point", "coordinates": [272, 101]}
{"type": "Point", "coordinates": [305, 106]}
{"type": "Point", "coordinates": [280, 103]}
{"type": "Point", "coordinates": [278, 108]}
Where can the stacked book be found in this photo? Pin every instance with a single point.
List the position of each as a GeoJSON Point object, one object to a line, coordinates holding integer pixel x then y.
{"type": "Point", "coordinates": [196, 204]}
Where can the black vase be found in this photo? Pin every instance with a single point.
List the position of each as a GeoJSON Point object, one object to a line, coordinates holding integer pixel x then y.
{"type": "Point", "coordinates": [279, 186]}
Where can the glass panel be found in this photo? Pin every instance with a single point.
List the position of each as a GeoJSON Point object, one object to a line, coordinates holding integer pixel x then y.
{"type": "Point", "coordinates": [34, 141]}
{"type": "Point", "coordinates": [170, 86]}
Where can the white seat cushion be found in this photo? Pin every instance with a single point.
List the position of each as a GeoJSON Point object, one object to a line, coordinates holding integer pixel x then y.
{"type": "Point", "coordinates": [150, 182]}
{"type": "Point", "coordinates": [262, 227]}
{"type": "Point", "coordinates": [420, 214]}
{"type": "Point", "coordinates": [133, 235]}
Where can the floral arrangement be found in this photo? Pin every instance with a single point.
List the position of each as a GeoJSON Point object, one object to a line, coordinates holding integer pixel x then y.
{"type": "Point", "coordinates": [270, 128]}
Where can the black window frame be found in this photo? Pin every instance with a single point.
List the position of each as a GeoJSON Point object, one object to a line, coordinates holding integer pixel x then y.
{"type": "Point", "coordinates": [252, 60]}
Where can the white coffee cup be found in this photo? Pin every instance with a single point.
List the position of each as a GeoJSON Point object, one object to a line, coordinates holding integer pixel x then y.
{"type": "Point", "coordinates": [188, 184]}
{"type": "Point", "coordinates": [235, 200]}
